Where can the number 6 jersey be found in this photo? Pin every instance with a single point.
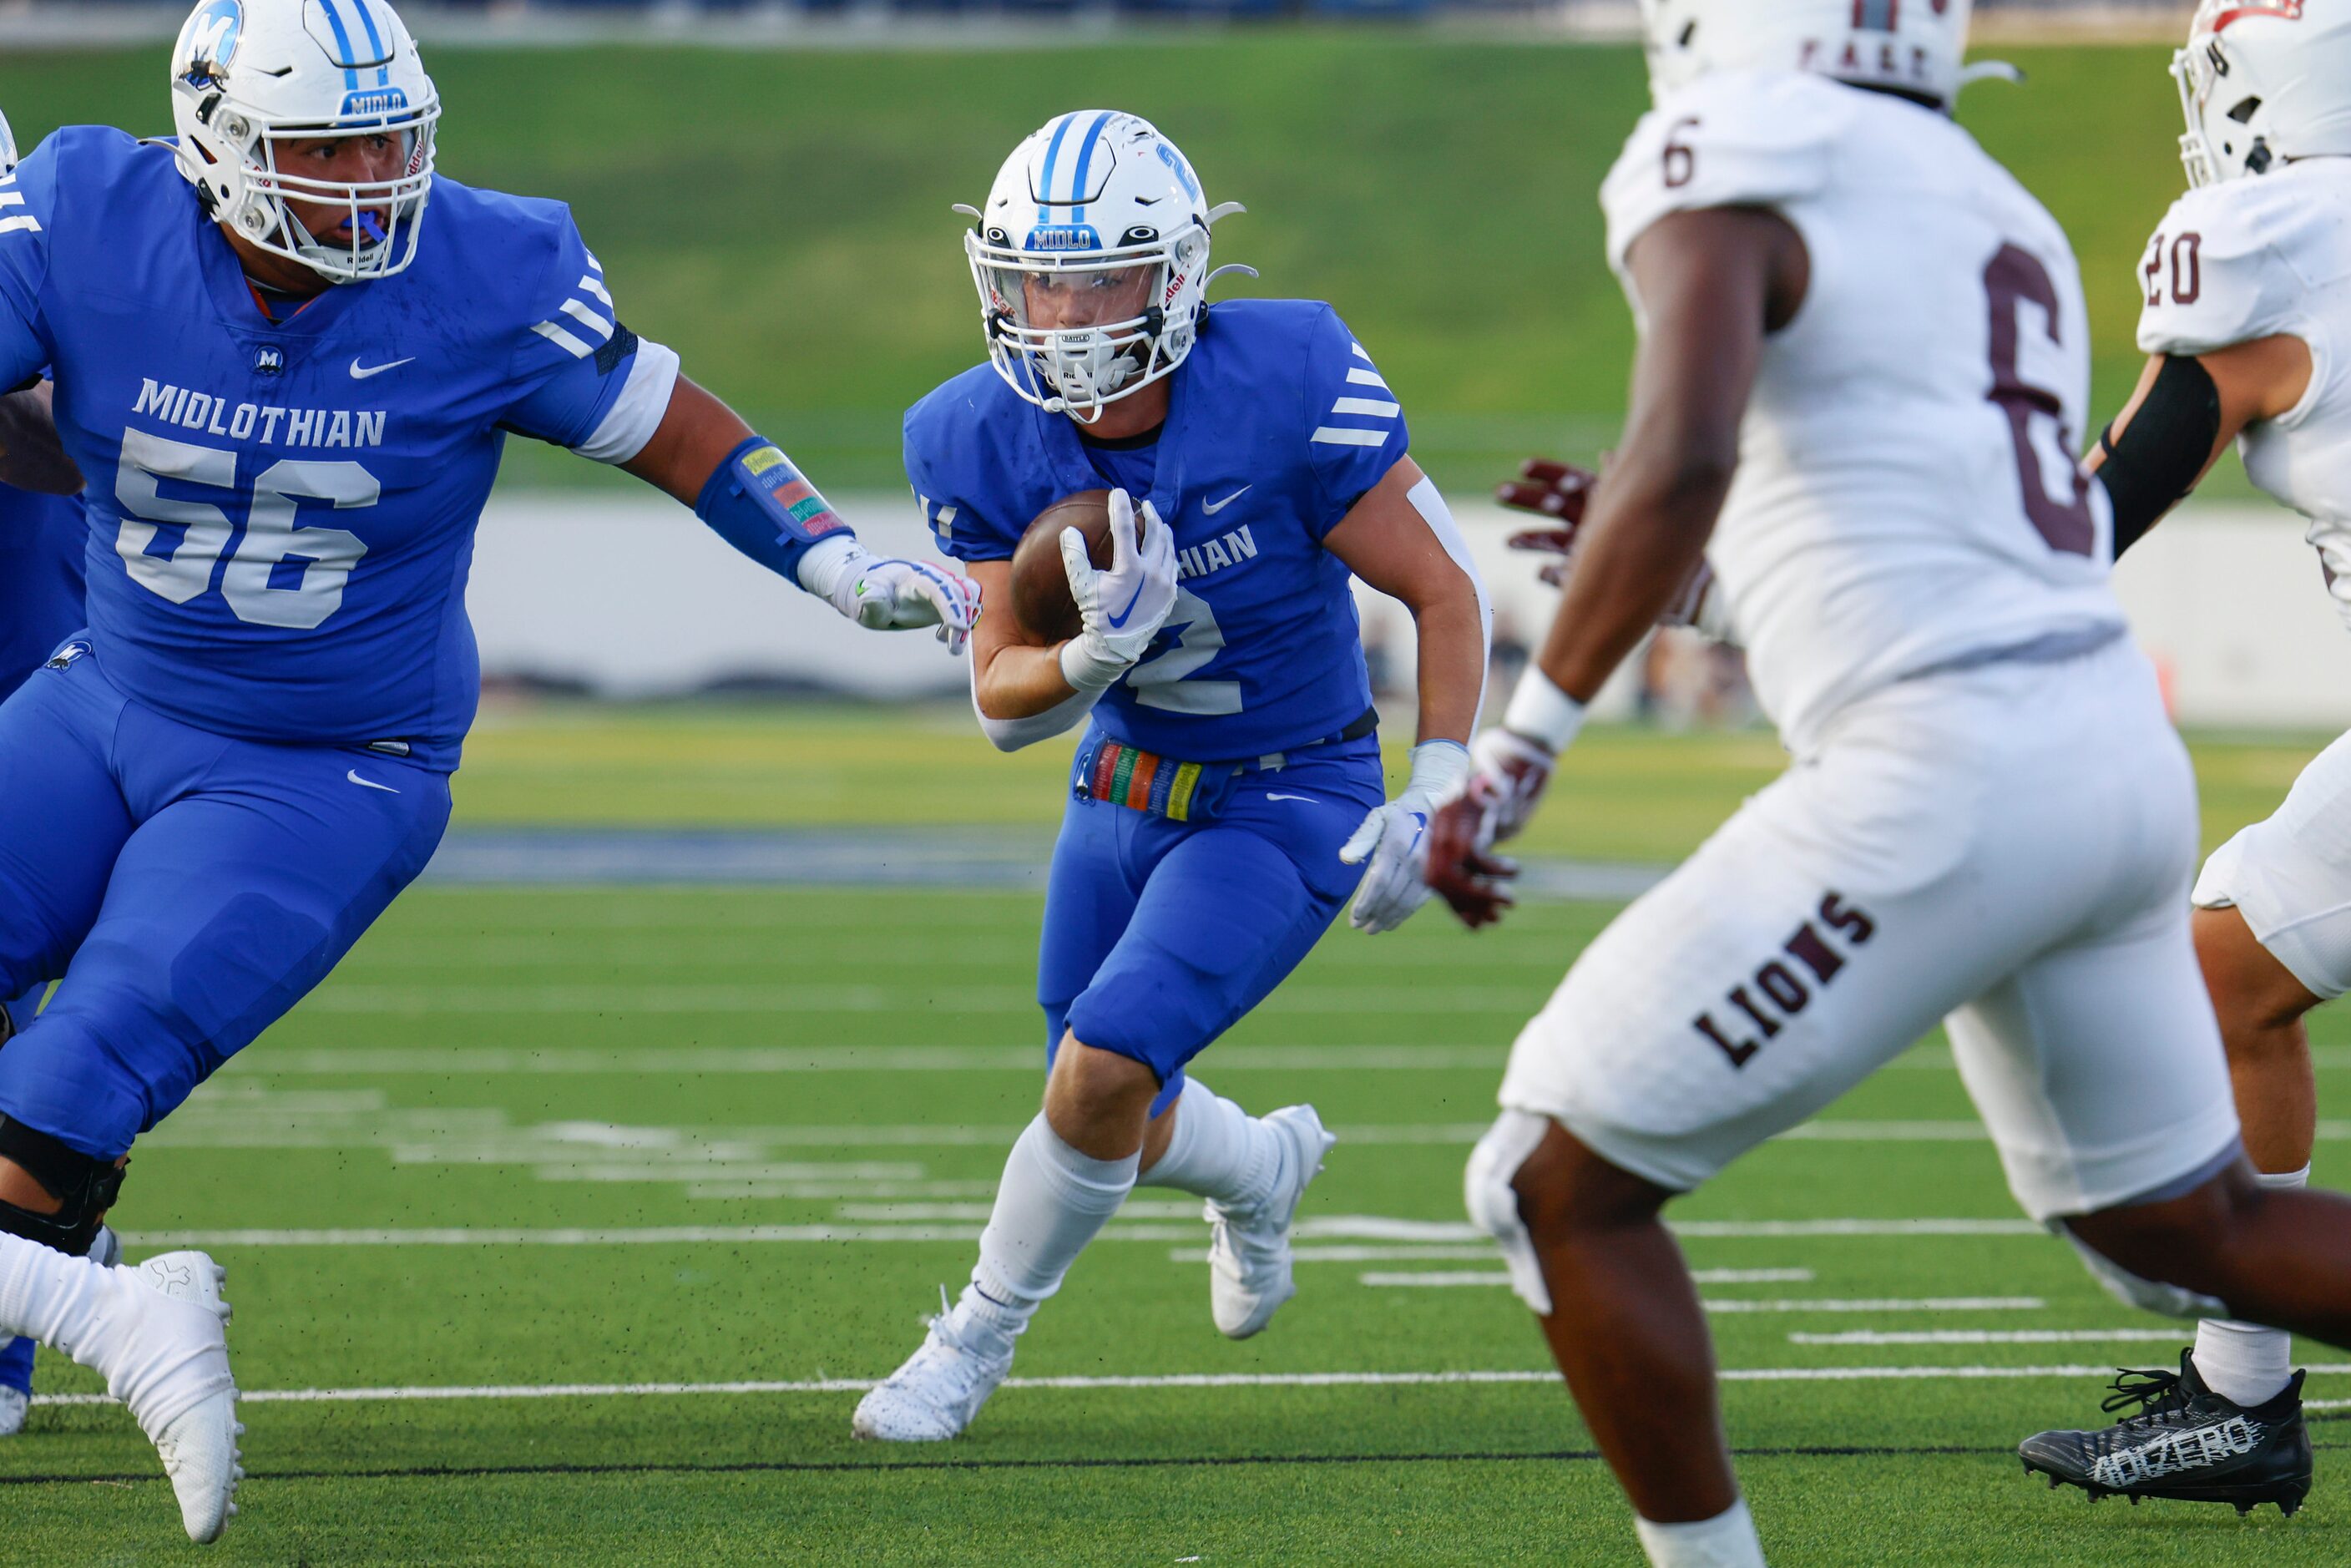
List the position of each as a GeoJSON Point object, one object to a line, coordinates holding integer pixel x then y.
{"type": "Point", "coordinates": [282, 512]}
{"type": "Point", "coordinates": [1907, 495]}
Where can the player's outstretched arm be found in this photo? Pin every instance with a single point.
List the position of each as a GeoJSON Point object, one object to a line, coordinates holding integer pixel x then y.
{"type": "Point", "coordinates": [2186, 412]}
{"type": "Point", "coordinates": [747, 491]}
{"type": "Point", "coordinates": [31, 456]}
{"type": "Point", "coordinates": [1713, 285]}
{"type": "Point", "coordinates": [1401, 540]}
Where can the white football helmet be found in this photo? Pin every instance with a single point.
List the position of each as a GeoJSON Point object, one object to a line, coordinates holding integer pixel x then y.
{"type": "Point", "coordinates": [249, 75]}
{"type": "Point", "coordinates": [1092, 261]}
{"type": "Point", "coordinates": [7, 146]}
{"type": "Point", "coordinates": [2262, 81]}
{"type": "Point", "coordinates": [1908, 46]}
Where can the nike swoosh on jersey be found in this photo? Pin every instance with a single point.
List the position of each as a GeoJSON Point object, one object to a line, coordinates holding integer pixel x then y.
{"type": "Point", "coordinates": [368, 783]}
{"type": "Point", "coordinates": [1119, 621]}
{"type": "Point", "coordinates": [1210, 508]}
{"type": "Point", "coordinates": [361, 372]}
{"type": "Point", "coordinates": [1308, 798]}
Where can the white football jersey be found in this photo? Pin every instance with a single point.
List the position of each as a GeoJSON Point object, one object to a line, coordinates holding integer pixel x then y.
{"type": "Point", "coordinates": [2266, 257]}
{"type": "Point", "coordinates": [1907, 492]}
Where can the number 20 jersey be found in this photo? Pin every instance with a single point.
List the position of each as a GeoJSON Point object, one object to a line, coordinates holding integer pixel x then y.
{"type": "Point", "coordinates": [2270, 256]}
{"type": "Point", "coordinates": [1908, 494]}
{"type": "Point", "coordinates": [282, 513]}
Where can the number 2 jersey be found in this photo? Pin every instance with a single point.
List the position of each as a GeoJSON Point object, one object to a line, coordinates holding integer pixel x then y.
{"type": "Point", "coordinates": [1277, 423]}
{"type": "Point", "coordinates": [2264, 257]}
{"type": "Point", "coordinates": [282, 513]}
{"type": "Point", "coordinates": [1908, 496]}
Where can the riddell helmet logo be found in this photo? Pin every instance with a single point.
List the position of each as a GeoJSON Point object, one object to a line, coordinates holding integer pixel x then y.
{"type": "Point", "coordinates": [2282, 10]}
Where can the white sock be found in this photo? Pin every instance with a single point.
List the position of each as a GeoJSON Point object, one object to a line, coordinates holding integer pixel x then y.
{"type": "Point", "coordinates": [58, 1300]}
{"type": "Point", "coordinates": [1726, 1541]}
{"type": "Point", "coordinates": [2247, 1364]}
{"type": "Point", "coordinates": [1218, 1151]}
{"type": "Point", "coordinates": [1051, 1202]}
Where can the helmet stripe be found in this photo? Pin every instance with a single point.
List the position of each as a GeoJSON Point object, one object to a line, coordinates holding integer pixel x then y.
{"type": "Point", "coordinates": [343, 44]}
{"type": "Point", "coordinates": [1052, 155]}
{"type": "Point", "coordinates": [1085, 165]}
{"type": "Point", "coordinates": [375, 44]}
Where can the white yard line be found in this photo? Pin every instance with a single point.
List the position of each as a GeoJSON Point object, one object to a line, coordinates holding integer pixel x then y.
{"type": "Point", "coordinates": [1343, 1227]}
{"type": "Point", "coordinates": [1175, 1380]}
{"type": "Point", "coordinates": [1466, 1277]}
{"type": "Point", "coordinates": [474, 1061]}
{"type": "Point", "coordinates": [1998, 1336]}
{"type": "Point", "coordinates": [789, 999]}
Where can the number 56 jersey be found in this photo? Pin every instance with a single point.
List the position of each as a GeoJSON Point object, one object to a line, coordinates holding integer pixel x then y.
{"type": "Point", "coordinates": [282, 512]}
{"type": "Point", "coordinates": [1907, 495]}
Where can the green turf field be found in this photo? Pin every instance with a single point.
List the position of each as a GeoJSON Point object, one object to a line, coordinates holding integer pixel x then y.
{"type": "Point", "coordinates": [534, 1139]}
{"type": "Point", "coordinates": [783, 218]}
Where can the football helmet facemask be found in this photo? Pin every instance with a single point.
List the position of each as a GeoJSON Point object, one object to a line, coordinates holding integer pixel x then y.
{"type": "Point", "coordinates": [2260, 82]}
{"type": "Point", "coordinates": [249, 77]}
{"type": "Point", "coordinates": [1906, 46]}
{"type": "Point", "coordinates": [1091, 262]}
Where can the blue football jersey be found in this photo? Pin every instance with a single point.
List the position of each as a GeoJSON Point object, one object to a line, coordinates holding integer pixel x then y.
{"type": "Point", "coordinates": [43, 540]}
{"type": "Point", "coordinates": [282, 512]}
{"type": "Point", "coordinates": [1277, 423]}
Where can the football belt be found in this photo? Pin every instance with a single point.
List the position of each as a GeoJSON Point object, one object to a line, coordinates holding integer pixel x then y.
{"type": "Point", "coordinates": [1123, 775]}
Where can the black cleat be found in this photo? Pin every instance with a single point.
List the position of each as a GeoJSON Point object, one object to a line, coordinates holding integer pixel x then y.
{"type": "Point", "coordinates": [2184, 1442]}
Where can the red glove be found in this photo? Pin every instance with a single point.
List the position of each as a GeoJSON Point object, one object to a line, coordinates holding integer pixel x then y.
{"type": "Point", "coordinates": [1556, 490]}
{"type": "Point", "coordinates": [1475, 882]}
{"type": "Point", "coordinates": [1562, 491]}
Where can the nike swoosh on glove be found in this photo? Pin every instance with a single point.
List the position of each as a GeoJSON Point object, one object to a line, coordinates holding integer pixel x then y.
{"type": "Point", "coordinates": [1394, 839]}
{"type": "Point", "coordinates": [1122, 605]}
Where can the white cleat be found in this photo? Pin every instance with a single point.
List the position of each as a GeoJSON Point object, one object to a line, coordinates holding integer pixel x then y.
{"type": "Point", "coordinates": [14, 1404]}
{"type": "Point", "coordinates": [1249, 1255]}
{"type": "Point", "coordinates": [174, 1372]}
{"type": "Point", "coordinates": [934, 1395]}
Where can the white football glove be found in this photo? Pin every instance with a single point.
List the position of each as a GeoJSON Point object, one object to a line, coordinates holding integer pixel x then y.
{"type": "Point", "coordinates": [886, 595]}
{"type": "Point", "coordinates": [1394, 839]}
{"type": "Point", "coordinates": [1125, 605]}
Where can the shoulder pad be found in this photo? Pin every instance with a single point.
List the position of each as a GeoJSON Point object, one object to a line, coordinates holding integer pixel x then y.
{"type": "Point", "coordinates": [2231, 263]}
{"type": "Point", "coordinates": [1738, 139]}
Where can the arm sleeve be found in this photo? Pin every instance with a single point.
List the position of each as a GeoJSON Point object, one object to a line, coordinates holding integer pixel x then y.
{"type": "Point", "coordinates": [582, 379]}
{"type": "Point", "coordinates": [1354, 427]}
{"type": "Point", "coordinates": [2217, 272]}
{"type": "Point", "coordinates": [951, 494]}
{"type": "Point", "coordinates": [1728, 142]}
{"type": "Point", "coordinates": [28, 213]}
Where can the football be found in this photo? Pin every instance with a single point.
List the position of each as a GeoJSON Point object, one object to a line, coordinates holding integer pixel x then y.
{"type": "Point", "coordinates": [1042, 605]}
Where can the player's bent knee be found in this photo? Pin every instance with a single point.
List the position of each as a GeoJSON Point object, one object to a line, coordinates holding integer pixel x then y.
{"type": "Point", "coordinates": [2138, 1290]}
{"type": "Point", "coordinates": [1488, 1192]}
{"type": "Point", "coordinates": [83, 1185]}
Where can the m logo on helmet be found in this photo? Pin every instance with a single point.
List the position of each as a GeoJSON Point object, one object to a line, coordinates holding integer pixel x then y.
{"type": "Point", "coordinates": [212, 34]}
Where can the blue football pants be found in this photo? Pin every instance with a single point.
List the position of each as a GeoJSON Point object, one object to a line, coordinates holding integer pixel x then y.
{"type": "Point", "coordinates": [1160, 935]}
{"type": "Point", "coordinates": [189, 887]}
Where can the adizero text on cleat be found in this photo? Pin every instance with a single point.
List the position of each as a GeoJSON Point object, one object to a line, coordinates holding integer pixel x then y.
{"type": "Point", "coordinates": [1249, 1248]}
{"type": "Point", "coordinates": [2184, 1442]}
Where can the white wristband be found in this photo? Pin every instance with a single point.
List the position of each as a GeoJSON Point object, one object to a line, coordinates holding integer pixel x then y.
{"type": "Point", "coordinates": [1541, 712]}
{"type": "Point", "coordinates": [1441, 771]}
{"type": "Point", "coordinates": [1088, 669]}
{"type": "Point", "coordinates": [826, 565]}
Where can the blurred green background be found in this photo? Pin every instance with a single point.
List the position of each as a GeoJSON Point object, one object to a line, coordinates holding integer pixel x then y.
{"type": "Point", "coordinates": [781, 218]}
